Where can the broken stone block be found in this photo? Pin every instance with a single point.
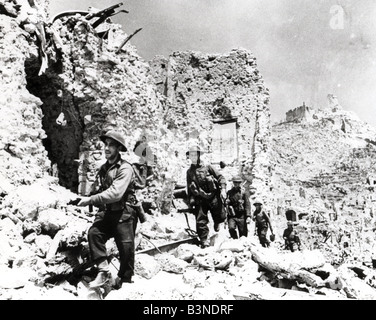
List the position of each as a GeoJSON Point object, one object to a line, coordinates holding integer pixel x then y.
{"type": "Point", "coordinates": [223, 260]}
{"type": "Point", "coordinates": [353, 286]}
{"type": "Point", "coordinates": [186, 251]}
{"type": "Point", "coordinates": [233, 245]}
{"type": "Point", "coordinates": [7, 252]}
{"type": "Point", "coordinates": [172, 264]}
{"type": "Point", "coordinates": [206, 262]}
{"type": "Point", "coordinates": [84, 292]}
{"type": "Point", "coordinates": [146, 266]}
{"type": "Point", "coordinates": [42, 243]}
{"type": "Point", "coordinates": [52, 220]}
{"type": "Point", "coordinates": [13, 278]}
{"type": "Point", "coordinates": [194, 278]}
{"type": "Point", "coordinates": [30, 238]}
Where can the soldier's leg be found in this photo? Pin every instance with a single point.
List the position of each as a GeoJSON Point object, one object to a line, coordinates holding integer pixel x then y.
{"type": "Point", "coordinates": [218, 212]}
{"type": "Point", "coordinates": [202, 222]}
{"type": "Point", "coordinates": [98, 235]}
{"type": "Point", "coordinates": [294, 247]}
{"type": "Point", "coordinates": [262, 236]}
{"type": "Point", "coordinates": [232, 228]}
{"type": "Point", "coordinates": [124, 235]}
{"type": "Point", "coordinates": [242, 227]}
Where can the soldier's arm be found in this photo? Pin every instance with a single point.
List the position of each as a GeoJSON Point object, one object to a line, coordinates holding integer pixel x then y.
{"type": "Point", "coordinates": [118, 187]}
{"type": "Point", "coordinates": [247, 204]}
{"type": "Point", "coordinates": [269, 222]}
{"type": "Point", "coordinates": [189, 180]}
{"type": "Point", "coordinates": [221, 179]}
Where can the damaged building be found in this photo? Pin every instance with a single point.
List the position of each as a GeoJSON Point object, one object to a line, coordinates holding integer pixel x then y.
{"type": "Point", "coordinates": [65, 80]}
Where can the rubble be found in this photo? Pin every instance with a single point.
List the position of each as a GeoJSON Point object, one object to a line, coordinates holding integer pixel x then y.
{"type": "Point", "coordinates": [67, 79]}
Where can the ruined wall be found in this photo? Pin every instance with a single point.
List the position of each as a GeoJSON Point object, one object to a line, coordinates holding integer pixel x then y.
{"type": "Point", "coordinates": [22, 155]}
{"type": "Point", "coordinates": [302, 113]}
{"type": "Point", "coordinates": [91, 88]}
{"type": "Point", "coordinates": [87, 85]}
{"type": "Point", "coordinates": [201, 89]}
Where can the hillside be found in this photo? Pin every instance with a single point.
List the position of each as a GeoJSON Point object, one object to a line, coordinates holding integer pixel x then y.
{"type": "Point", "coordinates": [324, 162]}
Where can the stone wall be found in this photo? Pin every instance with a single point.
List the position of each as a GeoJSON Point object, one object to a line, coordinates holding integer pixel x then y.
{"type": "Point", "coordinates": [302, 113]}
{"type": "Point", "coordinates": [23, 158]}
{"type": "Point", "coordinates": [203, 89]}
{"type": "Point", "coordinates": [91, 88]}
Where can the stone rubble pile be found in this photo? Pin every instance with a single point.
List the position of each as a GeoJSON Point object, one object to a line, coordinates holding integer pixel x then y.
{"type": "Point", "coordinates": [64, 83]}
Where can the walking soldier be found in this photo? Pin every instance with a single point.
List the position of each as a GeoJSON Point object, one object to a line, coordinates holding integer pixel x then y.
{"type": "Point", "coordinates": [119, 218]}
{"type": "Point", "coordinates": [206, 192]}
{"type": "Point", "coordinates": [239, 211]}
{"type": "Point", "coordinates": [262, 223]}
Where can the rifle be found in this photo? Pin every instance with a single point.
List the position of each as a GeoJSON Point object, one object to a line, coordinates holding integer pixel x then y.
{"type": "Point", "coordinates": [230, 210]}
{"type": "Point", "coordinates": [190, 232]}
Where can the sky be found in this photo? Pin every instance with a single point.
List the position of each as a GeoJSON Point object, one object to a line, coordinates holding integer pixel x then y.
{"type": "Point", "coordinates": [305, 49]}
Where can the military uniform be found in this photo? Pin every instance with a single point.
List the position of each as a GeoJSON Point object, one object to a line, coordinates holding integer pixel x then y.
{"type": "Point", "coordinates": [292, 240]}
{"type": "Point", "coordinates": [262, 223]}
{"type": "Point", "coordinates": [119, 218]}
{"type": "Point", "coordinates": [238, 200]}
{"type": "Point", "coordinates": [204, 184]}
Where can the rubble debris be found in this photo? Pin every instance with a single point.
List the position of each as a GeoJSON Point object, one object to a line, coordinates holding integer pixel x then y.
{"type": "Point", "coordinates": [90, 85]}
{"type": "Point", "coordinates": [127, 39]}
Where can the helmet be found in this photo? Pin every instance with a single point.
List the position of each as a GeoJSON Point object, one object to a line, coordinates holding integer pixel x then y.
{"type": "Point", "coordinates": [117, 136]}
{"type": "Point", "coordinates": [193, 149]}
{"type": "Point", "coordinates": [237, 179]}
{"type": "Point", "coordinates": [257, 201]}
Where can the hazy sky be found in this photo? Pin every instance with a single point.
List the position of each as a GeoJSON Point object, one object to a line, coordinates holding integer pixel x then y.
{"type": "Point", "coordinates": [305, 48]}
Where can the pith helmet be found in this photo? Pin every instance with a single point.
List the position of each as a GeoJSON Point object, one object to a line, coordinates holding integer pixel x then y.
{"type": "Point", "coordinates": [257, 201]}
{"type": "Point", "coordinates": [117, 136]}
{"type": "Point", "coordinates": [237, 179]}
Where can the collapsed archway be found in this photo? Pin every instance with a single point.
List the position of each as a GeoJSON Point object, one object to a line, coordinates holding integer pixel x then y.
{"type": "Point", "coordinates": [61, 121]}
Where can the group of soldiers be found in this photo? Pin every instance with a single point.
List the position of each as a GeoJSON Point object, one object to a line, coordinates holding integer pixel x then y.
{"type": "Point", "coordinates": [206, 192]}
{"type": "Point", "coordinates": [118, 209]}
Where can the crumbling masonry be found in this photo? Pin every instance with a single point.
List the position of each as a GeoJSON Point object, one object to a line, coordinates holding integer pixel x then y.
{"type": "Point", "coordinates": [90, 85]}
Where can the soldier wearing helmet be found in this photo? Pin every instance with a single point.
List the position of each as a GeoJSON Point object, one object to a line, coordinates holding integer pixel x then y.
{"type": "Point", "coordinates": [292, 240]}
{"type": "Point", "coordinates": [119, 218]}
{"type": "Point", "coordinates": [239, 211]}
{"type": "Point", "coordinates": [262, 223]}
{"type": "Point", "coordinates": [206, 192]}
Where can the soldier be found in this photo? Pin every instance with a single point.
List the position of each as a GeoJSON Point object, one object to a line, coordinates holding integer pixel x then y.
{"type": "Point", "coordinates": [292, 240]}
{"type": "Point", "coordinates": [206, 192]}
{"type": "Point", "coordinates": [262, 223]}
{"type": "Point", "coordinates": [239, 211]}
{"type": "Point", "coordinates": [119, 218]}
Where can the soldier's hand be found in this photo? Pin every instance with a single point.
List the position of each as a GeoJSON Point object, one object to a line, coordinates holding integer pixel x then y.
{"type": "Point", "coordinates": [85, 201]}
{"type": "Point", "coordinates": [248, 220]}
